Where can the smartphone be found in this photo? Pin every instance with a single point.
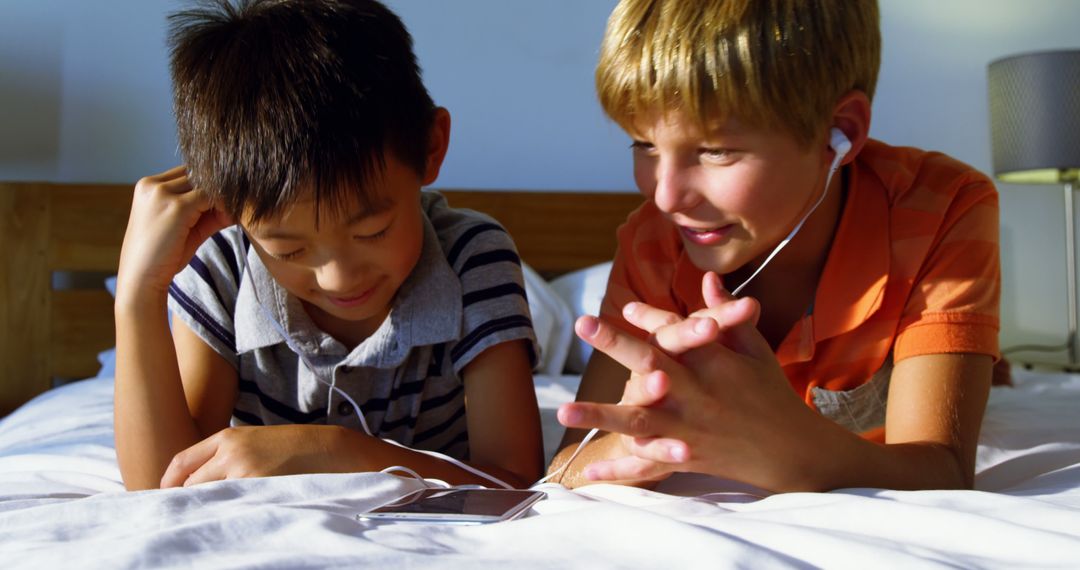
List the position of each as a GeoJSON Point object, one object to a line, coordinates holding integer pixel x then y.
{"type": "Point", "coordinates": [456, 506]}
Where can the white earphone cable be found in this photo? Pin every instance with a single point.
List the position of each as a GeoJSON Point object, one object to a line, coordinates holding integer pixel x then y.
{"type": "Point", "coordinates": [356, 407]}
{"type": "Point", "coordinates": [841, 145]}
{"type": "Point", "coordinates": [588, 437]}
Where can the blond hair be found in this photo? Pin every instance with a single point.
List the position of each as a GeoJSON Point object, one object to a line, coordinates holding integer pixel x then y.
{"type": "Point", "coordinates": [780, 64]}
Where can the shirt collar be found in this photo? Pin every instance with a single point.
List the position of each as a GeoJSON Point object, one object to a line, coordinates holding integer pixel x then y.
{"type": "Point", "coordinates": [426, 311]}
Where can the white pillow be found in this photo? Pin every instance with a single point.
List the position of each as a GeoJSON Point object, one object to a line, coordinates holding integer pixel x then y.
{"type": "Point", "coordinates": [107, 358]}
{"type": "Point", "coordinates": [582, 290]}
{"type": "Point", "coordinates": [552, 322]}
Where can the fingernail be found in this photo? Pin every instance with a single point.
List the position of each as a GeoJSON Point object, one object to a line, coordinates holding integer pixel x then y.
{"type": "Point", "coordinates": [628, 310]}
{"type": "Point", "coordinates": [588, 326]}
{"type": "Point", "coordinates": [701, 327]}
{"type": "Point", "coordinates": [591, 474]}
{"type": "Point", "coordinates": [653, 384]}
{"type": "Point", "coordinates": [677, 453]}
{"type": "Point", "coordinates": [569, 416]}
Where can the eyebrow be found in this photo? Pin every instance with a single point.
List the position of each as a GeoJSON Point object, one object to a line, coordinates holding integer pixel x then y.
{"type": "Point", "coordinates": [275, 233]}
{"type": "Point", "coordinates": [725, 131]}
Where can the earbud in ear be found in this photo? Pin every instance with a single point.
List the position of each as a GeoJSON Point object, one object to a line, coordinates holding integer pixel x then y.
{"type": "Point", "coordinates": [839, 141]}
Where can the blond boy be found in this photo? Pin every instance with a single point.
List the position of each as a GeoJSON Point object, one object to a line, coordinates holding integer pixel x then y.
{"type": "Point", "coordinates": [861, 354]}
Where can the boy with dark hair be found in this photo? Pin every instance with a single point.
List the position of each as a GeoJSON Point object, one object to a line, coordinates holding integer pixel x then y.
{"type": "Point", "coordinates": [869, 299]}
{"type": "Point", "coordinates": [348, 314]}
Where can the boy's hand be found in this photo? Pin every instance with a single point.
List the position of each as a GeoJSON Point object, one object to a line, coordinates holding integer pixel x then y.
{"type": "Point", "coordinates": [169, 220]}
{"type": "Point", "coordinates": [256, 451]}
{"type": "Point", "coordinates": [694, 404]}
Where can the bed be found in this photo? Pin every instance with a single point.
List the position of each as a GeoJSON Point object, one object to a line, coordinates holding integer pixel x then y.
{"type": "Point", "coordinates": [62, 502]}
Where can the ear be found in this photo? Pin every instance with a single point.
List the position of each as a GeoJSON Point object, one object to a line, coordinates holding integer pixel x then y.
{"type": "Point", "coordinates": [852, 115]}
{"type": "Point", "coordinates": [438, 142]}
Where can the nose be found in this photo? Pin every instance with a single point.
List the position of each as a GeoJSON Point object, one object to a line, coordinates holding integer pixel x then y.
{"type": "Point", "coordinates": [673, 187]}
{"type": "Point", "coordinates": [339, 275]}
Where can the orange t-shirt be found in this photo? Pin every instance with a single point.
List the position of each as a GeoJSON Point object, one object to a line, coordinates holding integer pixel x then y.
{"type": "Point", "coordinates": [913, 269]}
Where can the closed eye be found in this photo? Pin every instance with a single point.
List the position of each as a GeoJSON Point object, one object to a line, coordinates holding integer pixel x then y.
{"type": "Point", "coordinates": [289, 255]}
{"type": "Point", "coordinates": [375, 236]}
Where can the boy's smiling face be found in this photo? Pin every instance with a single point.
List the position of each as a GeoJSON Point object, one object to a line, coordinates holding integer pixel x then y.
{"type": "Point", "coordinates": [347, 268]}
{"type": "Point", "coordinates": [734, 192]}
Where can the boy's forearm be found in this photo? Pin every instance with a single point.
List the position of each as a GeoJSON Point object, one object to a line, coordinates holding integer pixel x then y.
{"type": "Point", "coordinates": [573, 475]}
{"type": "Point", "coordinates": [604, 446]}
{"type": "Point", "coordinates": [907, 466]}
{"type": "Point", "coordinates": [921, 465]}
{"type": "Point", "coordinates": [366, 453]}
{"type": "Point", "coordinates": [838, 459]}
{"type": "Point", "coordinates": [832, 459]}
{"type": "Point", "coordinates": [151, 419]}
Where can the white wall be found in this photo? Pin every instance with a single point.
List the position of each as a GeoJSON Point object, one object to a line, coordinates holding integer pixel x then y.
{"type": "Point", "coordinates": [84, 91]}
{"type": "Point", "coordinates": [84, 96]}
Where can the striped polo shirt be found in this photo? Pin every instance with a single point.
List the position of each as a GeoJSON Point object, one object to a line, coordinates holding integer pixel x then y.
{"type": "Point", "coordinates": [465, 295]}
{"type": "Point", "coordinates": [913, 269]}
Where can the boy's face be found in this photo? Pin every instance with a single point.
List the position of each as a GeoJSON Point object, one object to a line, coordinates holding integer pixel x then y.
{"type": "Point", "coordinates": [734, 192]}
{"type": "Point", "coordinates": [348, 268]}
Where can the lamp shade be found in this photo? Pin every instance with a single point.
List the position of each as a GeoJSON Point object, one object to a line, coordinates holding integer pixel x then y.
{"type": "Point", "coordinates": [1035, 117]}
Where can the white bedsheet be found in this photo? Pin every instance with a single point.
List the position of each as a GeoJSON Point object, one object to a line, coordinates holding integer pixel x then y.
{"type": "Point", "coordinates": [62, 505]}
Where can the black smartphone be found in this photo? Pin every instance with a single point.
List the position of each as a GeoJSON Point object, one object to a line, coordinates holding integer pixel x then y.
{"type": "Point", "coordinates": [456, 506]}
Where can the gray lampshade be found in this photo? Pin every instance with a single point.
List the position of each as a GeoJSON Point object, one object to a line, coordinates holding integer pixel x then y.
{"type": "Point", "coordinates": [1035, 117]}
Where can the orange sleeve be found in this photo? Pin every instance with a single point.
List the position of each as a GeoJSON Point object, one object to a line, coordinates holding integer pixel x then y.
{"type": "Point", "coordinates": [643, 268]}
{"type": "Point", "coordinates": [954, 303]}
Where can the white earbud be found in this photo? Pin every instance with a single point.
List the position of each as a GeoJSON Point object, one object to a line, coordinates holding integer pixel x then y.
{"type": "Point", "coordinates": [839, 142]}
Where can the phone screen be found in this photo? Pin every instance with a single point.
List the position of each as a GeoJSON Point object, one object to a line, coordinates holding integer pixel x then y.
{"type": "Point", "coordinates": [462, 505]}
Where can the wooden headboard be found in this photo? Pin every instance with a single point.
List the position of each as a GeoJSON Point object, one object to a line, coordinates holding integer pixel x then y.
{"type": "Point", "coordinates": [48, 335]}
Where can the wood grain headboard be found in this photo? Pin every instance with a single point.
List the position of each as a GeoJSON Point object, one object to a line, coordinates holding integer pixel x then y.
{"type": "Point", "coordinates": [48, 334]}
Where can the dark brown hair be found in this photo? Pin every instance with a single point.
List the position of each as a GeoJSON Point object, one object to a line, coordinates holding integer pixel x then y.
{"type": "Point", "coordinates": [281, 100]}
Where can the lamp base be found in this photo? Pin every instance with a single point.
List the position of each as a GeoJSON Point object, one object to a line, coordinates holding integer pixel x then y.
{"type": "Point", "coordinates": [1070, 363]}
{"type": "Point", "coordinates": [1049, 366]}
